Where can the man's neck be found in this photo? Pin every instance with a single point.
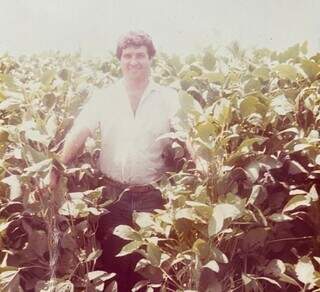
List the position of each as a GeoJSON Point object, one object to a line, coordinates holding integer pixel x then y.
{"type": "Point", "coordinates": [136, 85]}
{"type": "Point", "coordinates": [135, 90]}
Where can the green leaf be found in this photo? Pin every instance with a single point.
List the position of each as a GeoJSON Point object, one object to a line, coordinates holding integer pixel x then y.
{"type": "Point", "coordinates": [11, 104]}
{"type": "Point", "coordinates": [187, 102]}
{"type": "Point", "coordinates": [47, 77]}
{"type": "Point", "coordinates": [305, 271]}
{"type": "Point", "coordinates": [290, 53]}
{"type": "Point", "coordinates": [296, 168]}
{"type": "Point", "coordinates": [281, 105]}
{"type": "Point", "coordinates": [219, 256]}
{"type": "Point", "coordinates": [275, 267]}
{"type": "Point", "coordinates": [201, 248]}
{"type": "Point", "coordinates": [258, 195]}
{"type": "Point", "coordinates": [143, 219]}
{"type": "Point", "coordinates": [311, 69]}
{"type": "Point", "coordinates": [126, 232]}
{"type": "Point", "coordinates": [212, 265]}
{"type": "Point", "coordinates": [97, 276]}
{"type": "Point", "coordinates": [250, 105]}
{"type": "Point", "coordinates": [7, 275]}
{"type": "Point", "coordinates": [252, 85]}
{"type": "Point", "coordinates": [304, 48]}
{"type": "Point", "coordinates": [313, 193]}
{"type": "Point", "coordinates": [213, 77]}
{"type": "Point", "coordinates": [262, 72]}
{"type": "Point", "coordinates": [186, 213]}
{"type": "Point", "coordinates": [296, 202]}
{"type": "Point", "coordinates": [153, 254]}
{"type": "Point", "coordinates": [278, 217]}
{"type": "Point", "coordinates": [220, 213]}
{"type": "Point", "coordinates": [130, 248]}
{"type": "Point", "coordinates": [286, 71]}
{"type": "Point", "coordinates": [209, 60]}
{"type": "Point", "coordinates": [221, 111]}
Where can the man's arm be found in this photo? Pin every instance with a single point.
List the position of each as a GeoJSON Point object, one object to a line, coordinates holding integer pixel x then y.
{"type": "Point", "coordinates": [73, 142]}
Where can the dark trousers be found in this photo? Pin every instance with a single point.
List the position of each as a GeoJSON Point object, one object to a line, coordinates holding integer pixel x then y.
{"type": "Point", "coordinates": [120, 213]}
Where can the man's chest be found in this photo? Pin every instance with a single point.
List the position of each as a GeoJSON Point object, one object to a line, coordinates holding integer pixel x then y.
{"type": "Point", "coordinates": [149, 121]}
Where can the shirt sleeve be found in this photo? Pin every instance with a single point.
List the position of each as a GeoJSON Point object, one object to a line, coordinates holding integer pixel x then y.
{"type": "Point", "coordinates": [89, 116]}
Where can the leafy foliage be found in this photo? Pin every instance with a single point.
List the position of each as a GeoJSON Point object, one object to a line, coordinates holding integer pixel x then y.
{"type": "Point", "coordinates": [246, 218]}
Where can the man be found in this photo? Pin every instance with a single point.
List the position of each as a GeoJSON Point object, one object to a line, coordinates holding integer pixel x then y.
{"type": "Point", "coordinates": [132, 114]}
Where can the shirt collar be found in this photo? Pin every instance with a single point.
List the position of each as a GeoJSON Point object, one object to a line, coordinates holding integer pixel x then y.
{"type": "Point", "coordinates": [152, 86]}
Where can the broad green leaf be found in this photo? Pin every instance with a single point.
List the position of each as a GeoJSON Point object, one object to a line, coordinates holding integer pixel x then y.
{"type": "Point", "coordinates": [258, 195]}
{"type": "Point", "coordinates": [4, 225]}
{"type": "Point", "coordinates": [207, 130]}
{"type": "Point", "coordinates": [15, 186]}
{"type": "Point", "coordinates": [286, 71]}
{"type": "Point", "coordinates": [311, 69]}
{"type": "Point", "coordinates": [201, 248]}
{"type": "Point", "coordinates": [143, 219]}
{"type": "Point", "coordinates": [313, 193]}
{"type": "Point", "coordinates": [305, 271]}
{"type": "Point", "coordinates": [304, 48]}
{"type": "Point", "coordinates": [290, 53]}
{"type": "Point", "coordinates": [186, 213]}
{"type": "Point", "coordinates": [94, 255]}
{"type": "Point", "coordinates": [281, 105]}
{"type": "Point", "coordinates": [7, 275]}
{"type": "Point", "coordinates": [47, 77]}
{"type": "Point", "coordinates": [250, 105]}
{"type": "Point", "coordinates": [42, 166]}
{"type": "Point", "coordinates": [126, 232]}
{"type": "Point", "coordinates": [262, 72]}
{"type": "Point", "coordinates": [153, 254]}
{"type": "Point", "coordinates": [220, 213]}
{"type": "Point", "coordinates": [213, 77]}
{"type": "Point", "coordinates": [187, 102]}
{"type": "Point", "coordinates": [252, 85]}
{"type": "Point", "coordinates": [296, 202]}
{"type": "Point", "coordinates": [275, 267]}
{"type": "Point", "coordinates": [212, 265]}
{"type": "Point", "coordinates": [11, 104]}
{"type": "Point", "coordinates": [215, 224]}
{"type": "Point", "coordinates": [219, 256]}
{"type": "Point", "coordinates": [279, 217]}
{"type": "Point", "coordinates": [209, 60]}
{"type": "Point", "coordinates": [130, 248]}
{"type": "Point", "coordinates": [222, 111]}
{"type": "Point", "coordinates": [203, 210]}
{"type": "Point", "coordinates": [52, 126]}
{"type": "Point", "coordinates": [98, 276]}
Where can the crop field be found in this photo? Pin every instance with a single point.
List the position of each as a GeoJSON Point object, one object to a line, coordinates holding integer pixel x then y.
{"type": "Point", "coordinates": [246, 219]}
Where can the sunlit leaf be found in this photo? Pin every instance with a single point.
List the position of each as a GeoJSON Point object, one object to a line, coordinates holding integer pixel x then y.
{"type": "Point", "coordinates": [126, 232]}
{"type": "Point", "coordinates": [296, 202]}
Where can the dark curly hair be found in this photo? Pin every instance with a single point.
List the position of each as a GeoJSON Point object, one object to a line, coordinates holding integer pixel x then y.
{"type": "Point", "coordinates": [135, 39]}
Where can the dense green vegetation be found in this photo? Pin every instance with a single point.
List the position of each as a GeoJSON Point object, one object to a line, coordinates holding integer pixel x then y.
{"type": "Point", "coordinates": [249, 221]}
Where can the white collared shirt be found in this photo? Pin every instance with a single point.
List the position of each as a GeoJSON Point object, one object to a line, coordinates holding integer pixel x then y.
{"type": "Point", "coordinates": [130, 150]}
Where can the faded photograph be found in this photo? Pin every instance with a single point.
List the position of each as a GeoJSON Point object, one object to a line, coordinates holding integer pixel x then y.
{"type": "Point", "coordinates": [159, 146]}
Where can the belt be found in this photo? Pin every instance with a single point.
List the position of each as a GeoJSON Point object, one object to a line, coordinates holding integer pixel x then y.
{"type": "Point", "coordinates": [128, 187]}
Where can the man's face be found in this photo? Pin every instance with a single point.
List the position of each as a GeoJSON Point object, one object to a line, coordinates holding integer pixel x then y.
{"type": "Point", "coordinates": [135, 63]}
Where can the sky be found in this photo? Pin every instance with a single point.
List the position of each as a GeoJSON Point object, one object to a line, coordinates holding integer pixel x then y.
{"type": "Point", "coordinates": [176, 26]}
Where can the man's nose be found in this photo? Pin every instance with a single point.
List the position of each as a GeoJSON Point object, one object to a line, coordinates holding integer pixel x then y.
{"type": "Point", "coordinates": [133, 61]}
